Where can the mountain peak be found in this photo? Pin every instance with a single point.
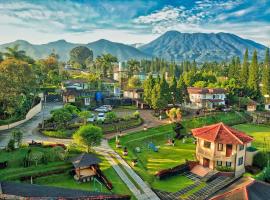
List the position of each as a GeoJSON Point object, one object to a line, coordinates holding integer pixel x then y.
{"type": "Point", "coordinates": [201, 47]}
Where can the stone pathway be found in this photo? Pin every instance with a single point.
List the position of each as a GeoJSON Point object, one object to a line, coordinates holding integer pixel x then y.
{"type": "Point", "coordinates": [142, 193]}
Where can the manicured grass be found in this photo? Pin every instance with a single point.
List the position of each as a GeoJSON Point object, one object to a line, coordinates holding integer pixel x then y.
{"type": "Point", "coordinates": [67, 181]}
{"type": "Point", "coordinates": [15, 170]}
{"type": "Point", "coordinates": [259, 132]}
{"type": "Point", "coordinates": [149, 162]}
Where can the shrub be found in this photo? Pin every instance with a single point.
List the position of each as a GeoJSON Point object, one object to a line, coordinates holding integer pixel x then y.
{"type": "Point", "coordinates": [261, 159]}
{"type": "Point", "coordinates": [57, 134]}
{"type": "Point", "coordinates": [136, 114]}
{"type": "Point", "coordinates": [11, 145]}
{"type": "Point", "coordinates": [224, 169]}
{"type": "Point", "coordinates": [264, 175]}
{"type": "Point", "coordinates": [251, 149]}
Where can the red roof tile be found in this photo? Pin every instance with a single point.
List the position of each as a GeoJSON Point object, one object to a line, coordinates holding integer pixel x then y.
{"type": "Point", "coordinates": [196, 90]}
{"type": "Point", "coordinates": [222, 134]}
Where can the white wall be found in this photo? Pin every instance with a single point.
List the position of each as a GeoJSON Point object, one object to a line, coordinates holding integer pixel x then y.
{"type": "Point", "coordinates": [31, 113]}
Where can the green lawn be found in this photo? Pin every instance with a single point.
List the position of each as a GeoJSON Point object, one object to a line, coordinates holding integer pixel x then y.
{"type": "Point", "coordinates": [149, 162]}
{"type": "Point", "coordinates": [15, 170]}
{"type": "Point", "coordinates": [67, 181]}
{"type": "Point", "coordinates": [259, 132]}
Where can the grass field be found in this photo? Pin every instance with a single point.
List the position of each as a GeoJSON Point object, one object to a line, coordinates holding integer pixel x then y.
{"type": "Point", "coordinates": [67, 181]}
{"type": "Point", "coordinates": [259, 132]}
{"type": "Point", "coordinates": [149, 162]}
{"type": "Point", "coordinates": [15, 170]}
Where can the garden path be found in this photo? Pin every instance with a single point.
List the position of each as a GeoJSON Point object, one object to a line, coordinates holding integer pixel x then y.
{"type": "Point", "coordinates": [149, 120]}
{"type": "Point", "coordinates": [141, 190]}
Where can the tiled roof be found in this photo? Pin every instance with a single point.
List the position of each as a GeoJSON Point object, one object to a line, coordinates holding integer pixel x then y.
{"type": "Point", "coordinates": [222, 134]}
{"type": "Point", "coordinates": [196, 90]}
{"type": "Point", "coordinates": [33, 191]}
{"type": "Point", "coordinates": [253, 190]}
{"type": "Point", "coordinates": [85, 160]}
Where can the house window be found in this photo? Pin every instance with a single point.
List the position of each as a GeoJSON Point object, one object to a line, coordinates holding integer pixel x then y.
{"type": "Point", "coordinates": [240, 161]}
{"type": "Point", "coordinates": [220, 147]}
{"type": "Point", "coordinates": [219, 163]}
{"type": "Point", "coordinates": [241, 147]}
{"type": "Point", "coordinates": [228, 164]}
{"type": "Point", "coordinates": [207, 144]}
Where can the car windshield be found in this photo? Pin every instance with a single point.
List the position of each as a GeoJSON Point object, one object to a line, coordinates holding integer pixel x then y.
{"type": "Point", "coordinates": [100, 114]}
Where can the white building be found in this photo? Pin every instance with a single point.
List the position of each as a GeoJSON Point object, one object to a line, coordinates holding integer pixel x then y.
{"type": "Point", "coordinates": [206, 97]}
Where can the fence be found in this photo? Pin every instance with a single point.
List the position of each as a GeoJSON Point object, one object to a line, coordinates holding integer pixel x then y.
{"type": "Point", "coordinates": [31, 113]}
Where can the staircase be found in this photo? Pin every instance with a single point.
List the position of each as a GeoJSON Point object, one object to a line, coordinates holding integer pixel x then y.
{"type": "Point", "coordinates": [201, 171]}
{"type": "Point", "coordinates": [211, 188]}
{"type": "Point", "coordinates": [210, 176]}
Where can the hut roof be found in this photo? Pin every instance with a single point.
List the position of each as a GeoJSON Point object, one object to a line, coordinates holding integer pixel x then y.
{"type": "Point", "coordinates": [85, 160]}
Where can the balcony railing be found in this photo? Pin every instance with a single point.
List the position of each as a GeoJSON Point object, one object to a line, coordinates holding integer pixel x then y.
{"type": "Point", "coordinates": [205, 152]}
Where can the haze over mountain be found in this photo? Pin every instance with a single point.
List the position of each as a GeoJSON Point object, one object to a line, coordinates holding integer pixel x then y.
{"type": "Point", "coordinates": [62, 48]}
{"type": "Point", "coordinates": [174, 45]}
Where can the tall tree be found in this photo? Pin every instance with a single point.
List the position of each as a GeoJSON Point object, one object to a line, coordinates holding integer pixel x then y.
{"type": "Point", "coordinates": [244, 74]}
{"type": "Point", "coordinates": [174, 91]}
{"type": "Point", "coordinates": [266, 74]}
{"type": "Point", "coordinates": [160, 95]}
{"type": "Point", "coordinates": [253, 80]}
{"type": "Point", "coordinates": [148, 86]}
{"type": "Point", "coordinates": [79, 55]}
{"type": "Point", "coordinates": [88, 136]}
{"type": "Point", "coordinates": [14, 52]}
{"type": "Point", "coordinates": [133, 67]}
{"type": "Point", "coordinates": [183, 93]}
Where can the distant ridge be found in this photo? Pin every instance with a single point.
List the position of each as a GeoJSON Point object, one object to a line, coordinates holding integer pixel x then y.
{"type": "Point", "coordinates": [174, 45]}
{"type": "Point", "coordinates": [121, 51]}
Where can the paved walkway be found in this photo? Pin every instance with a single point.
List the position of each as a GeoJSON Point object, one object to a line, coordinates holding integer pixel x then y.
{"type": "Point", "coordinates": [142, 193]}
{"type": "Point", "coordinates": [148, 119]}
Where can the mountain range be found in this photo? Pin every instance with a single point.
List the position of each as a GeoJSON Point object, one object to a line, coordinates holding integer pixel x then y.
{"type": "Point", "coordinates": [172, 45]}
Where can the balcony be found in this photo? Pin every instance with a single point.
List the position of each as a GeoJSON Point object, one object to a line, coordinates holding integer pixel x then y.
{"type": "Point", "coordinates": [205, 152]}
{"type": "Point", "coordinates": [224, 157]}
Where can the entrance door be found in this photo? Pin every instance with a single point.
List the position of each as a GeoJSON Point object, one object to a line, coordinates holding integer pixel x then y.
{"type": "Point", "coordinates": [228, 150]}
{"type": "Point", "coordinates": [206, 162]}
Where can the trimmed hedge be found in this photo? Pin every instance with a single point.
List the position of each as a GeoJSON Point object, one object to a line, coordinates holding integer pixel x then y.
{"type": "Point", "coordinates": [56, 134]}
{"type": "Point", "coordinates": [260, 160]}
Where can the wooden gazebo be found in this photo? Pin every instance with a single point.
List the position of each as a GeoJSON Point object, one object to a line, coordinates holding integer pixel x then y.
{"type": "Point", "coordinates": [86, 166]}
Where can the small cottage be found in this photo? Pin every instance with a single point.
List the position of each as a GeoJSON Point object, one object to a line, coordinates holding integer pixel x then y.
{"type": "Point", "coordinates": [85, 166]}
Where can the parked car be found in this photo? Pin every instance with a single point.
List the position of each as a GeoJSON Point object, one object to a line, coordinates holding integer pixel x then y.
{"type": "Point", "coordinates": [101, 117]}
{"type": "Point", "coordinates": [102, 109]}
{"type": "Point", "coordinates": [92, 118]}
{"type": "Point", "coordinates": [109, 107]}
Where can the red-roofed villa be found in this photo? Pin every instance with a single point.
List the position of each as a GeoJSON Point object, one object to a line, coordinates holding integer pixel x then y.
{"type": "Point", "coordinates": [220, 145]}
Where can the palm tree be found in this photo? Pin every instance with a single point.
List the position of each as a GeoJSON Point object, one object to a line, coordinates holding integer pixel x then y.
{"type": "Point", "coordinates": [134, 66]}
{"type": "Point", "coordinates": [14, 52]}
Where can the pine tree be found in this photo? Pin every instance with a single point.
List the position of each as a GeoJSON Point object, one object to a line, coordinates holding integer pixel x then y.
{"type": "Point", "coordinates": [174, 91]}
{"type": "Point", "coordinates": [266, 74]}
{"type": "Point", "coordinates": [182, 88]}
{"type": "Point", "coordinates": [160, 94]}
{"type": "Point", "coordinates": [148, 86]}
{"type": "Point", "coordinates": [253, 80]}
{"type": "Point", "coordinates": [244, 74]}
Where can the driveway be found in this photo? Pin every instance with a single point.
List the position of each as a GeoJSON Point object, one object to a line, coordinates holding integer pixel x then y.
{"type": "Point", "coordinates": [30, 132]}
{"type": "Point", "coordinates": [28, 128]}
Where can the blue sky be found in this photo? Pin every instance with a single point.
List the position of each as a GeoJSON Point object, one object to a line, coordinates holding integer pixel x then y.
{"type": "Point", "coordinates": [130, 21]}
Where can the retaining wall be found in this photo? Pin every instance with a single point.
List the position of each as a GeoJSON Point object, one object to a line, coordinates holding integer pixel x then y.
{"type": "Point", "coordinates": [31, 113]}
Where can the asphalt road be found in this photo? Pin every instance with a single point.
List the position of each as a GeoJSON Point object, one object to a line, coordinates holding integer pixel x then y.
{"type": "Point", "coordinates": [28, 128]}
